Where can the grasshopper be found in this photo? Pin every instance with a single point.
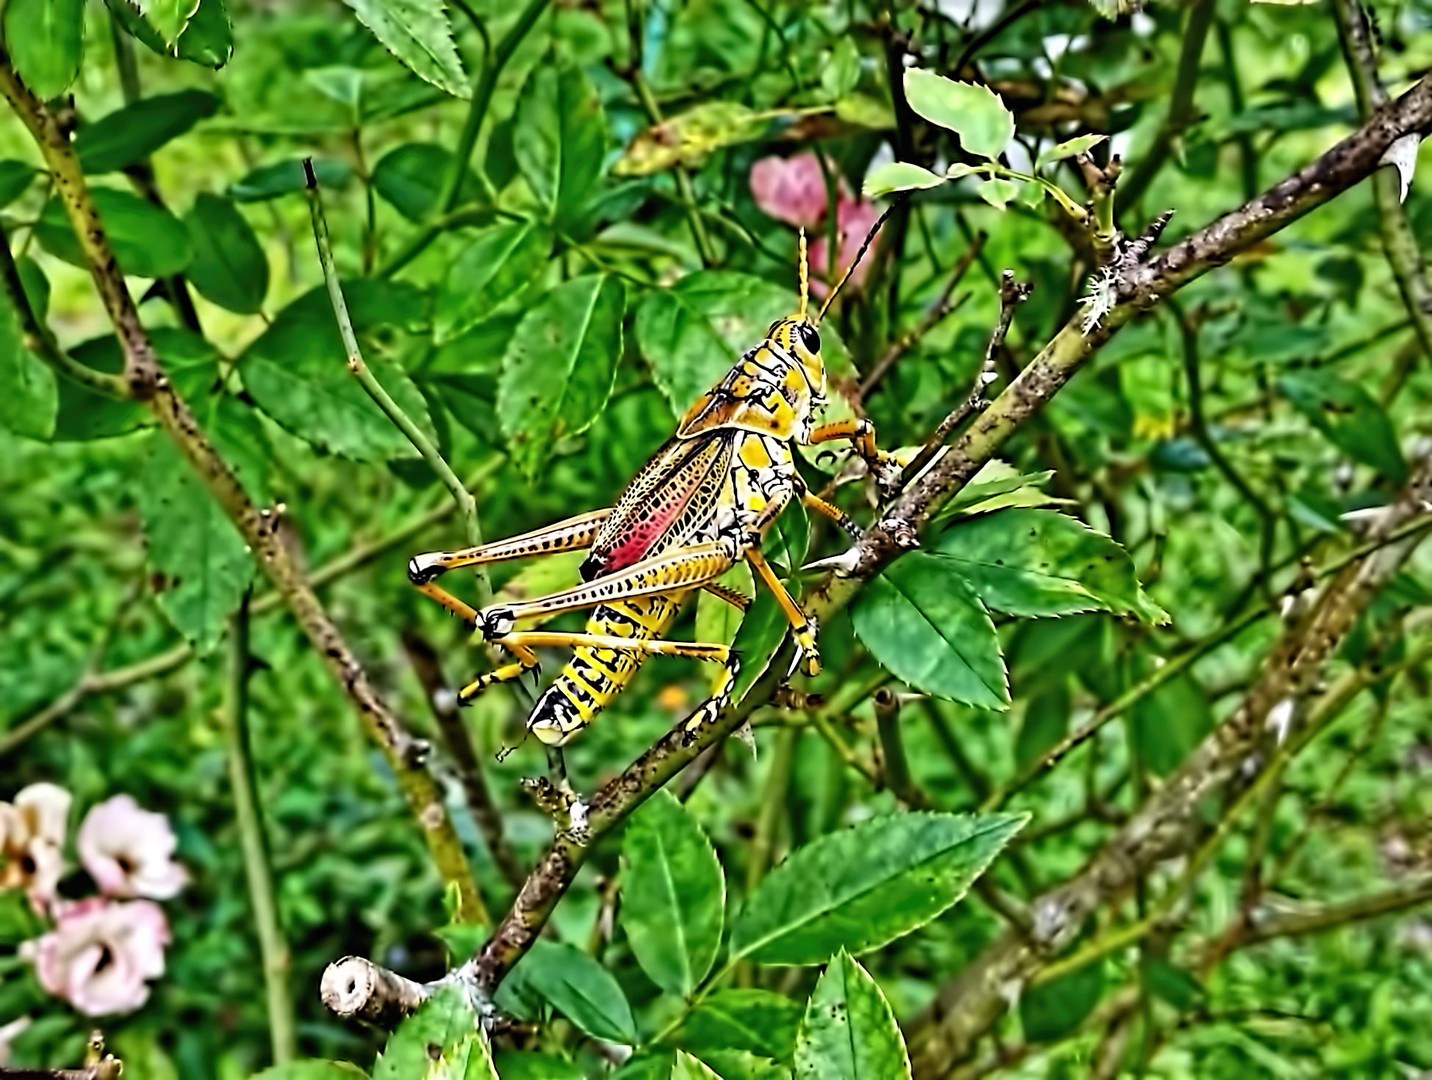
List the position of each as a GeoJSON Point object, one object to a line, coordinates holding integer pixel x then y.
{"type": "Point", "coordinates": [700, 505]}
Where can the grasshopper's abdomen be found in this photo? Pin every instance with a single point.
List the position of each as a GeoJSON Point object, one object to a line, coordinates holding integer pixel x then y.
{"type": "Point", "coordinates": [594, 675]}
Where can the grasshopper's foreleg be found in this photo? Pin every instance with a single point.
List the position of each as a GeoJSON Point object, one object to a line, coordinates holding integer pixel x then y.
{"type": "Point", "coordinates": [861, 434]}
{"type": "Point", "coordinates": [801, 625]}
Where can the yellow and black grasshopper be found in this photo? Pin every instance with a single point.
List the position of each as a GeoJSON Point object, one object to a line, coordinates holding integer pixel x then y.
{"type": "Point", "coordinates": [700, 505]}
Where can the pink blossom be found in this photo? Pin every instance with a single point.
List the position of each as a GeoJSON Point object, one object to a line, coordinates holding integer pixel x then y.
{"type": "Point", "coordinates": [854, 218]}
{"type": "Point", "coordinates": [101, 954]}
{"type": "Point", "coordinates": [129, 851]}
{"type": "Point", "coordinates": [32, 831]}
{"type": "Point", "coordinates": [790, 189]}
{"type": "Point", "coordinates": [7, 1036]}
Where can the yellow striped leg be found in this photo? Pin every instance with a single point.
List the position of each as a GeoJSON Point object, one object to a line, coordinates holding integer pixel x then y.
{"type": "Point", "coordinates": [861, 434]}
{"type": "Point", "coordinates": [568, 535]}
{"type": "Point", "coordinates": [676, 571]}
{"type": "Point", "coordinates": [801, 626]}
{"type": "Point", "coordinates": [814, 502]}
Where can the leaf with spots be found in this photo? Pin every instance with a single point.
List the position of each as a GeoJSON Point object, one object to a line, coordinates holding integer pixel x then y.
{"type": "Point", "coordinates": [849, 1032]}
{"type": "Point", "coordinates": [574, 984]}
{"type": "Point", "coordinates": [441, 1041]}
{"type": "Point", "coordinates": [559, 366]}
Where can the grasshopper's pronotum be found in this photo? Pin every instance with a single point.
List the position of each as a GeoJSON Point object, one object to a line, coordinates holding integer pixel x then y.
{"type": "Point", "coordinates": [701, 504]}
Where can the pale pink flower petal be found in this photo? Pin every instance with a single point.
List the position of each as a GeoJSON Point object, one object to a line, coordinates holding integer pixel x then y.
{"type": "Point", "coordinates": [32, 831]}
{"type": "Point", "coordinates": [854, 218]}
{"type": "Point", "coordinates": [790, 189]}
{"type": "Point", "coordinates": [101, 954]}
{"type": "Point", "coordinates": [129, 851]}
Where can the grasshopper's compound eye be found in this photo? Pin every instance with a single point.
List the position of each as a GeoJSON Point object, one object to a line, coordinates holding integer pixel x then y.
{"type": "Point", "coordinates": [809, 338]}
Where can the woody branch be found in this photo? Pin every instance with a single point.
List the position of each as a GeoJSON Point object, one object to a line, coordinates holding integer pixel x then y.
{"type": "Point", "coordinates": [145, 381]}
{"type": "Point", "coordinates": [1137, 286]}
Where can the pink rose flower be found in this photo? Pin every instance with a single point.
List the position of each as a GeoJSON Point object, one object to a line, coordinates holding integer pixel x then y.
{"type": "Point", "coordinates": [854, 218]}
{"type": "Point", "coordinates": [101, 954]}
{"type": "Point", "coordinates": [32, 831]}
{"type": "Point", "coordinates": [129, 851]}
{"type": "Point", "coordinates": [790, 189]}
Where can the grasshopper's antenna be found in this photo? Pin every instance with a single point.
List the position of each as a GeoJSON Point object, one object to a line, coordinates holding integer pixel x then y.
{"type": "Point", "coordinates": [805, 275]}
{"type": "Point", "coordinates": [864, 247]}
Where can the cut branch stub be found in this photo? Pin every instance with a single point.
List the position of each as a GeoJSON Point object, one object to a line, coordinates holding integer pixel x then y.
{"type": "Point", "coordinates": [357, 989]}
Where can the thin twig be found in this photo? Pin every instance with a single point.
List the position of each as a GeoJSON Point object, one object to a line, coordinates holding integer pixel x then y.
{"type": "Point", "coordinates": [147, 382]}
{"type": "Point", "coordinates": [443, 703]}
{"type": "Point", "coordinates": [466, 504]}
{"type": "Point", "coordinates": [934, 315]}
{"type": "Point", "coordinates": [274, 954]}
{"type": "Point", "coordinates": [1011, 295]}
{"type": "Point", "coordinates": [1404, 255]}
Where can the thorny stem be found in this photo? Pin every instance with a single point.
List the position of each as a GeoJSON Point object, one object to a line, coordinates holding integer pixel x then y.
{"type": "Point", "coordinates": [466, 504]}
{"type": "Point", "coordinates": [1404, 256]}
{"type": "Point", "coordinates": [147, 382]}
{"type": "Point", "coordinates": [1011, 295]}
{"type": "Point", "coordinates": [253, 841]}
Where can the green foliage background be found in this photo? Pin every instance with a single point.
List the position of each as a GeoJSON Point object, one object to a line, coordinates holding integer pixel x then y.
{"type": "Point", "coordinates": [544, 312]}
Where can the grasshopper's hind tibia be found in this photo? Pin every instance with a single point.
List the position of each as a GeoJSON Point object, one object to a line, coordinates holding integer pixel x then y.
{"type": "Point", "coordinates": [802, 626]}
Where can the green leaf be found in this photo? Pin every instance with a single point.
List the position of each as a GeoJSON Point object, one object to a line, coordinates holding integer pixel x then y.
{"type": "Point", "coordinates": [563, 139]}
{"type": "Point", "coordinates": [29, 397]}
{"type": "Point", "coordinates": [411, 177]}
{"type": "Point", "coordinates": [757, 1021]}
{"type": "Point", "coordinates": [283, 177]}
{"type": "Point", "coordinates": [691, 334]}
{"type": "Point", "coordinates": [926, 625]}
{"type": "Point", "coordinates": [740, 1065]}
{"type": "Point", "coordinates": [1046, 721]}
{"type": "Point", "coordinates": [167, 17]}
{"type": "Point", "coordinates": [229, 267]}
{"type": "Point", "coordinates": [647, 1066]}
{"type": "Point", "coordinates": [46, 42]}
{"type": "Point", "coordinates": [1166, 725]}
{"type": "Point", "coordinates": [1068, 148]}
{"type": "Point", "coordinates": [311, 1070]}
{"type": "Point", "coordinates": [207, 39]}
{"type": "Point", "coordinates": [531, 1065]}
{"type": "Point", "coordinates": [686, 1067]}
{"type": "Point", "coordinates": [559, 366]}
{"type": "Point", "coordinates": [849, 1032]}
{"type": "Point", "coordinates": [576, 986]}
{"type": "Point", "coordinates": [489, 274]}
{"type": "Point", "coordinates": [896, 176]}
{"type": "Point", "coordinates": [1348, 416]}
{"type": "Point", "coordinates": [716, 620]}
{"type": "Point", "coordinates": [15, 179]}
{"type": "Point", "coordinates": [147, 240]}
{"type": "Point", "coordinates": [18, 921]}
{"type": "Point", "coordinates": [997, 191]}
{"type": "Point", "coordinates": [441, 1041]}
{"type": "Point", "coordinates": [673, 894]}
{"type": "Point", "coordinates": [1040, 563]}
{"type": "Point", "coordinates": [1056, 1008]}
{"type": "Point", "coordinates": [786, 544]}
{"type": "Point", "coordinates": [1174, 984]}
{"type": "Point", "coordinates": [975, 113]}
{"type": "Point", "coordinates": [297, 372]}
{"type": "Point", "coordinates": [994, 487]}
{"type": "Point", "coordinates": [840, 73]}
{"type": "Point", "coordinates": [131, 133]}
{"type": "Point", "coordinates": [419, 34]}
{"type": "Point", "coordinates": [761, 632]}
{"type": "Point", "coordinates": [864, 886]}
{"type": "Point", "coordinates": [203, 563]}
